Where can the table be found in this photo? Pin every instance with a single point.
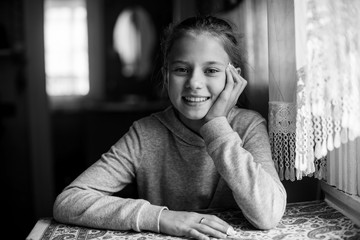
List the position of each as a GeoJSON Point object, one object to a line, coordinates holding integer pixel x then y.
{"type": "Point", "coordinates": [305, 220]}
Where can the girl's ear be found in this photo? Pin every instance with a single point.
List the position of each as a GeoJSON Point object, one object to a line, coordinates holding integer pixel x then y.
{"type": "Point", "coordinates": [238, 70]}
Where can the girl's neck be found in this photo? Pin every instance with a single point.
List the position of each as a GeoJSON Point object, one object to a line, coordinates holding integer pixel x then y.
{"type": "Point", "coordinates": [193, 125]}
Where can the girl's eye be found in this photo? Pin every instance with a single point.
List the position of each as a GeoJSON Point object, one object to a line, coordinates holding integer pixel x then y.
{"type": "Point", "coordinates": [211, 71]}
{"type": "Point", "coordinates": [181, 70]}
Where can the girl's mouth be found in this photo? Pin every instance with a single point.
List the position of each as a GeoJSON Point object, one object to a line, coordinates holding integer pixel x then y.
{"type": "Point", "coordinates": [195, 99]}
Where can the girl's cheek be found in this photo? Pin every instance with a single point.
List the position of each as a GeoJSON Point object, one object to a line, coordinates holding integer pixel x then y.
{"type": "Point", "coordinates": [220, 86]}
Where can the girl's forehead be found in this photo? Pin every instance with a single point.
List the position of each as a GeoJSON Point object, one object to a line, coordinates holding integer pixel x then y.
{"type": "Point", "coordinates": [200, 36]}
{"type": "Point", "coordinates": [198, 46]}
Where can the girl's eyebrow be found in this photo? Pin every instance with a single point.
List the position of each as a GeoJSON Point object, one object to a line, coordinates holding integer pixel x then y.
{"type": "Point", "coordinates": [214, 63]}
{"type": "Point", "coordinates": [178, 61]}
{"type": "Point", "coordinates": [206, 63]}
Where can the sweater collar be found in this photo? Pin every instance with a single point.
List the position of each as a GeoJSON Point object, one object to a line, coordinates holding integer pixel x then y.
{"type": "Point", "coordinates": [169, 119]}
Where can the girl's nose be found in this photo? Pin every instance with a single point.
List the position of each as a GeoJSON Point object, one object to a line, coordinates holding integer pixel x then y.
{"type": "Point", "coordinates": [196, 80]}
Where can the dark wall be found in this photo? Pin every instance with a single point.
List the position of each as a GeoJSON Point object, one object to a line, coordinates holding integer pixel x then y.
{"type": "Point", "coordinates": [17, 211]}
{"type": "Point", "coordinates": [117, 84]}
{"type": "Point", "coordinates": [81, 136]}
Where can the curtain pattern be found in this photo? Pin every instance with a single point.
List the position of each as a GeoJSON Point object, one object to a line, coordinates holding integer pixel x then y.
{"type": "Point", "coordinates": [282, 134]}
{"type": "Point", "coordinates": [328, 85]}
{"type": "Point", "coordinates": [282, 119]}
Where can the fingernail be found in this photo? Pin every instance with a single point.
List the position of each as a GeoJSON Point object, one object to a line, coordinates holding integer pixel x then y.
{"type": "Point", "coordinates": [231, 64]}
{"type": "Point", "coordinates": [230, 231]}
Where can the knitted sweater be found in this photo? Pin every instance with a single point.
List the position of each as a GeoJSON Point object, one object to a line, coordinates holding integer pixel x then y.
{"type": "Point", "coordinates": [228, 166]}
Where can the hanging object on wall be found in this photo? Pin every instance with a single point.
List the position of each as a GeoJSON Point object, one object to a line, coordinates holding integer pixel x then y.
{"type": "Point", "coordinates": [328, 87]}
{"type": "Point", "coordinates": [134, 41]}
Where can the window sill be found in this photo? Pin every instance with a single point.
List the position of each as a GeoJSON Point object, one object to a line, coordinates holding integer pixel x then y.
{"type": "Point", "coordinates": [347, 204]}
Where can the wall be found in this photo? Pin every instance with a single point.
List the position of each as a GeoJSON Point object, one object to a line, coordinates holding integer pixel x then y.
{"type": "Point", "coordinates": [25, 149]}
{"type": "Point", "coordinates": [81, 134]}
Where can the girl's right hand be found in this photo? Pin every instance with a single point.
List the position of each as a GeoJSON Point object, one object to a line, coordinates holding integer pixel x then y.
{"type": "Point", "coordinates": [193, 225]}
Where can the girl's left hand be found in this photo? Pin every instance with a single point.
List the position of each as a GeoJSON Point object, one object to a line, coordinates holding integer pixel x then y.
{"type": "Point", "coordinates": [227, 99]}
{"type": "Point", "coordinates": [194, 225]}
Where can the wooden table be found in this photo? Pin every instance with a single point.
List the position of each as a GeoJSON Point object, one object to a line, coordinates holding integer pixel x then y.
{"type": "Point", "coordinates": [306, 220]}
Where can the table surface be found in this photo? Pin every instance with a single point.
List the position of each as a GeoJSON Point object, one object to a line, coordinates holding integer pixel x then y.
{"type": "Point", "coordinates": [306, 220]}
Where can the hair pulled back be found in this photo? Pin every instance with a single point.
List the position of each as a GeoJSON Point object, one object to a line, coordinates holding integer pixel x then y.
{"type": "Point", "coordinates": [214, 26]}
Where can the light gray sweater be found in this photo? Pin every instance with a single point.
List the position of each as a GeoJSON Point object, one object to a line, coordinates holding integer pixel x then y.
{"type": "Point", "coordinates": [228, 166]}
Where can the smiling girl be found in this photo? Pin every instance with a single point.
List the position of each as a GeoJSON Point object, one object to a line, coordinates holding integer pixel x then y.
{"type": "Point", "coordinates": [202, 152]}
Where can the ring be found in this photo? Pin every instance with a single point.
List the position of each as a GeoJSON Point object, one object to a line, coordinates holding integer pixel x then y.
{"type": "Point", "coordinates": [202, 219]}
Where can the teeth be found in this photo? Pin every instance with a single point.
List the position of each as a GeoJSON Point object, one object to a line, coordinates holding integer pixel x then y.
{"type": "Point", "coordinates": [196, 99]}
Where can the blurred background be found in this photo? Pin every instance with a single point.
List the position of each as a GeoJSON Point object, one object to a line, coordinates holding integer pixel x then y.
{"type": "Point", "coordinates": [74, 75]}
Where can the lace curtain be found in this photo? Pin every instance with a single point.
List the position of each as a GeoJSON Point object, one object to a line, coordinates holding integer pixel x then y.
{"type": "Point", "coordinates": [324, 111]}
{"type": "Point", "coordinates": [328, 86]}
{"type": "Point", "coordinates": [282, 87]}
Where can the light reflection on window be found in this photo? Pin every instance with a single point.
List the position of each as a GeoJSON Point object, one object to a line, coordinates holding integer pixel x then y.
{"type": "Point", "coordinates": [66, 48]}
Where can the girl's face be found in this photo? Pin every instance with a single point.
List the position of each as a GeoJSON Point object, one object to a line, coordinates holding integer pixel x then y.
{"type": "Point", "coordinates": [196, 75]}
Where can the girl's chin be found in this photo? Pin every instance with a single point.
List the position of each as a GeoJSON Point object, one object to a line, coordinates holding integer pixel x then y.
{"type": "Point", "coordinates": [194, 117]}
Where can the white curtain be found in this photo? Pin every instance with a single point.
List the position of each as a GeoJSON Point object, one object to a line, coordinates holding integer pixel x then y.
{"type": "Point", "coordinates": [282, 86]}
{"type": "Point", "coordinates": [282, 91]}
{"type": "Point", "coordinates": [328, 87]}
{"type": "Point", "coordinates": [324, 113]}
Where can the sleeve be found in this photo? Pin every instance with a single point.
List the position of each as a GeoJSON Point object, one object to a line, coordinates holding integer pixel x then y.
{"type": "Point", "coordinates": [248, 169]}
{"type": "Point", "coordinates": [88, 200]}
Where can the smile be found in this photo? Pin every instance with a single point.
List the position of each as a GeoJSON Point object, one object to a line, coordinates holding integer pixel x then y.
{"type": "Point", "coordinates": [195, 99]}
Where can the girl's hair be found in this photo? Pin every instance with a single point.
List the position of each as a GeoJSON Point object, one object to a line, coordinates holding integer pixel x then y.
{"type": "Point", "coordinates": [214, 26]}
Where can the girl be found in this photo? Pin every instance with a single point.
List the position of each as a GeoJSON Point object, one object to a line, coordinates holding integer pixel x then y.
{"type": "Point", "coordinates": [202, 152]}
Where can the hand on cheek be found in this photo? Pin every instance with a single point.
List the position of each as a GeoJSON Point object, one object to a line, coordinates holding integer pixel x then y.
{"type": "Point", "coordinates": [227, 99]}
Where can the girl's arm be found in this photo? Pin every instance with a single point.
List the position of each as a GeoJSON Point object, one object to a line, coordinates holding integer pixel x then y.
{"type": "Point", "coordinates": [248, 169]}
{"type": "Point", "coordinates": [87, 201]}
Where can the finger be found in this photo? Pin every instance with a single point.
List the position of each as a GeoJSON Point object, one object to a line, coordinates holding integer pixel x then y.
{"type": "Point", "coordinates": [240, 82]}
{"type": "Point", "coordinates": [209, 230]}
{"type": "Point", "coordinates": [216, 223]}
{"type": "Point", "coordinates": [236, 75]}
{"type": "Point", "coordinates": [242, 86]}
{"type": "Point", "coordinates": [218, 229]}
{"type": "Point", "coordinates": [193, 233]}
{"type": "Point", "coordinates": [229, 85]}
{"type": "Point", "coordinates": [237, 90]}
{"type": "Point", "coordinates": [224, 226]}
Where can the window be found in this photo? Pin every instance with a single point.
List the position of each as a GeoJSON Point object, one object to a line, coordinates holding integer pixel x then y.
{"type": "Point", "coordinates": [66, 48]}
